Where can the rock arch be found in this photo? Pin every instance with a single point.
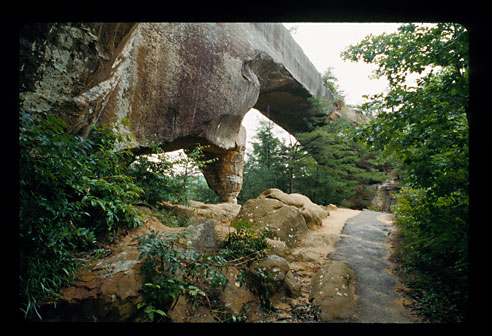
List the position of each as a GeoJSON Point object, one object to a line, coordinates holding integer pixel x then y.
{"type": "Point", "coordinates": [177, 83]}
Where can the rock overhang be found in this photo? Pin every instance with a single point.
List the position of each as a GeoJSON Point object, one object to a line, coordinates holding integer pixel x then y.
{"type": "Point", "coordinates": [178, 84]}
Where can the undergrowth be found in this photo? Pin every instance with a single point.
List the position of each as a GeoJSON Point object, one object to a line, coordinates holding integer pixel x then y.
{"type": "Point", "coordinates": [72, 193]}
{"type": "Point", "coordinates": [172, 269]}
{"type": "Point", "coordinates": [433, 254]}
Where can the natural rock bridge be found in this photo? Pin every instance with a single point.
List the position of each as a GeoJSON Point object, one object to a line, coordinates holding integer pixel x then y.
{"type": "Point", "coordinates": [178, 84]}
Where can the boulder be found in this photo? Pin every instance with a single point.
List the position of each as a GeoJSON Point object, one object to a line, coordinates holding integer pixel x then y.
{"type": "Point", "coordinates": [273, 268]}
{"type": "Point", "coordinates": [235, 297]}
{"type": "Point", "coordinates": [285, 221]}
{"type": "Point", "coordinates": [107, 289]}
{"type": "Point", "coordinates": [177, 210]}
{"type": "Point", "coordinates": [276, 246]}
{"type": "Point", "coordinates": [276, 275]}
{"type": "Point", "coordinates": [223, 213]}
{"type": "Point", "coordinates": [201, 236]}
{"type": "Point", "coordinates": [312, 213]}
{"type": "Point", "coordinates": [292, 286]}
{"type": "Point", "coordinates": [220, 214]}
{"type": "Point", "coordinates": [333, 291]}
{"type": "Point", "coordinates": [184, 311]}
{"type": "Point", "coordinates": [331, 207]}
{"type": "Point", "coordinates": [384, 194]}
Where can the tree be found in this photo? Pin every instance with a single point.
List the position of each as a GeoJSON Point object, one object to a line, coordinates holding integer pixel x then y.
{"type": "Point", "coordinates": [425, 127]}
{"type": "Point", "coordinates": [343, 166]}
{"type": "Point", "coordinates": [267, 166]}
{"type": "Point", "coordinates": [322, 164]}
{"type": "Point", "coordinates": [72, 193]}
{"type": "Point", "coordinates": [331, 81]}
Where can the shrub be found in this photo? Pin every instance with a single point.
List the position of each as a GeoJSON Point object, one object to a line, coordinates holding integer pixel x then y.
{"type": "Point", "coordinates": [171, 271]}
{"type": "Point", "coordinates": [72, 192]}
{"type": "Point", "coordinates": [246, 243]}
{"type": "Point", "coordinates": [240, 249]}
{"type": "Point", "coordinates": [165, 179]}
{"type": "Point", "coordinates": [436, 249]}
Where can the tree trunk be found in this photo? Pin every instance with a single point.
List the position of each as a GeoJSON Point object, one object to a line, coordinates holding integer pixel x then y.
{"type": "Point", "coordinates": [291, 179]}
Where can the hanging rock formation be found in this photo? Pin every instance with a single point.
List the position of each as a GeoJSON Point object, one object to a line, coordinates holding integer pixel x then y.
{"type": "Point", "coordinates": [178, 84]}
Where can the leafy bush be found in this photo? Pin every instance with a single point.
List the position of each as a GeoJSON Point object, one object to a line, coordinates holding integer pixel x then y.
{"type": "Point", "coordinates": [240, 249]}
{"type": "Point", "coordinates": [168, 179]}
{"type": "Point", "coordinates": [245, 243]}
{"type": "Point", "coordinates": [424, 128]}
{"type": "Point", "coordinates": [171, 271]}
{"type": "Point", "coordinates": [72, 192]}
{"type": "Point", "coordinates": [436, 249]}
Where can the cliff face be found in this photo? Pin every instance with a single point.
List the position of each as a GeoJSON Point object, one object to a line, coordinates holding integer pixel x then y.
{"type": "Point", "coordinates": [177, 83]}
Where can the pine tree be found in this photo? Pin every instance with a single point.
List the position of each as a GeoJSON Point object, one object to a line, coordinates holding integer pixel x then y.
{"type": "Point", "coordinates": [267, 166]}
{"type": "Point", "coordinates": [343, 165]}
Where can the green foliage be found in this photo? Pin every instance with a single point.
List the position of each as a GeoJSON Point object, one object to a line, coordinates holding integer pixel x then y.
{"type": "Point", "coordinates": [436, 250]}
{"type": "Point", "coordinates": [243, 246]}
{"type": "Point", "coordinates": [339, 166]}
{"type": "Point", "coordinates": [199, 190]}
{"type": "Point", "coordinates": [169, 179]}
{"type": "Point", "coordinates": [72, 191]}
{"type": "Point", "coordinates": [425, 129]}
{"type": "Point", "coordinates": [266, 167]}
{"type": "Point", "coordinates": [331, 81]}
{"type": "Point", "coordinates": [245, 243]}
{"type": "Point", "coordinates": [323, 164]}
{"type": "Point", "coordinates": [171, 271]}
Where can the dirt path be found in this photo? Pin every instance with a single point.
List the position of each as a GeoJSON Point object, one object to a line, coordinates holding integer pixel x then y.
{"type": "Point", "coordinates": [361, 240]}
{"type": "Point", "coordinates": [306, 259]}
{"type": "Point", "coordinates": [365, 248]}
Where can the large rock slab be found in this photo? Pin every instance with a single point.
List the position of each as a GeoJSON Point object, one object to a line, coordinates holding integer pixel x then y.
{"type": "Point", "coordinates": [333, 291]}
{"type": "Point", "coordinates": [285, 221]}
{"type": "Point", "coordinates": [220, 212]}
{"type": "Point", "coordinates": [312, 213]}
{"type": "Point", "coordinates": [178, 84]}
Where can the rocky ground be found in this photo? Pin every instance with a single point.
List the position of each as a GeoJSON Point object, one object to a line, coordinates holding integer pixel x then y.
{"type": "Point", "coordinates": [329, 264]}
{"type": "Point", "coordinates": [309, 257]}
{"type": "Point", "coordinates": [361, 241]}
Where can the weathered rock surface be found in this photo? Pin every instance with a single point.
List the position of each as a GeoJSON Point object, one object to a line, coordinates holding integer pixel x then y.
{"type": "Point", "coordinates": [275, 269]}
{"type": "Point", "coordinates": [201, 236]}
{"type": "Point", "coordinates": [177, 83]}
{"type": "Point", "coordinates": [384, 193]}
{"type": "Point", "coordinates": [108, 289]}
{"type": "Point", "coordinates": [221, 212]}
{"type": "Point", "coordinates": [333, 291]}
{"type": "Point", "coordinates": [312, 213]}
{"type": "Point", "coordinates": [285, 221]}
{"type": "Point", "coordinates": [355, 116]}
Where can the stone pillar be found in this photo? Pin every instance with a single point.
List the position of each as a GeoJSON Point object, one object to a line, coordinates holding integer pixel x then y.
{"type": "Point", "coordinates": [225, 175]}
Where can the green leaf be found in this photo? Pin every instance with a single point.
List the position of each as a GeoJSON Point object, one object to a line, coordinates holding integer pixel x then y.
{"type": "Point", "coordinates": [160, 312]}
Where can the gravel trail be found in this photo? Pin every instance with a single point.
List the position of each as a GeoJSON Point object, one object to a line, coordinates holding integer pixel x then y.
{"type": "Point", "coordinates": [365, 248]}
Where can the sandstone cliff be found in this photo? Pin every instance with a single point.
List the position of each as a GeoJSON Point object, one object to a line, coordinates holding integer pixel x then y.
{"type": "Point", "coordinates": [177, 83]}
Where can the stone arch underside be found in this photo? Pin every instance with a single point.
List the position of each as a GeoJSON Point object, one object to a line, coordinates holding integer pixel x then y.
{"type": "Point", "coordinates": [178, 84]}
